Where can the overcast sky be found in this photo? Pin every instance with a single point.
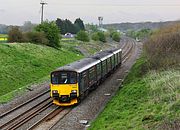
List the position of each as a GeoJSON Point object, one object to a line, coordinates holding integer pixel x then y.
{"type": "Point", "coordinates": [15, 12]}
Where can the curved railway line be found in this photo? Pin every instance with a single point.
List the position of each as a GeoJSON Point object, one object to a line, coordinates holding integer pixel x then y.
{"type": "Point", "coordinates": [22, 118]}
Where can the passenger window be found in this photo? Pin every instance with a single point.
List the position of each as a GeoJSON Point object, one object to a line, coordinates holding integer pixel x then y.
{"type": "Point", "coordinates": [63, 78]}
{"type": "Point", "coordinates": [72, 78]}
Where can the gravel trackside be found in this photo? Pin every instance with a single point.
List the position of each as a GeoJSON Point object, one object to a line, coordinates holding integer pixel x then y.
{"type": "Point", "coordinates": [96, 100]}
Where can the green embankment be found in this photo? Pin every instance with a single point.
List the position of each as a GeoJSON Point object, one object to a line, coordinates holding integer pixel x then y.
{"type": "Point", "coordinates": [22, 64]}
{"type": "Point", "coordinates": [146, 101]}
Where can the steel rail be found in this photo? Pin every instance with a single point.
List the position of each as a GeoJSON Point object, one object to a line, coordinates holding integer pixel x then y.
{"type": "Point", "coordinates": [42, 105]}
{"type": "Point", "coordinates": [23, 104]}
{"type": "Point", "coordinates": [47, 117]}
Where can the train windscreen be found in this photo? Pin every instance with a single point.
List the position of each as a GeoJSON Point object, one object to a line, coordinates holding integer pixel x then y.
{"type": "Point", "coordinates": [64, 78]}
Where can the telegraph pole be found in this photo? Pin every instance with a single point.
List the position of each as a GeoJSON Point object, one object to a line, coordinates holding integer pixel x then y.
{"type": "Point", "coordinates": [100, 21]}
{"type": "Point", "coordinates": [42, 4]}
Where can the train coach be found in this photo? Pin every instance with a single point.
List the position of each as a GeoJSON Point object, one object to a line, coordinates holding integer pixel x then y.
{"type": "Point", "coordinates": [71, 83]}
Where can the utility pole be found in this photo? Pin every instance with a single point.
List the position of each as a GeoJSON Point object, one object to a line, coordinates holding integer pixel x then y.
{"type": "Point", "coordinates": [42, 4]}
{"type": "Point", "coordinates": [100, 21]}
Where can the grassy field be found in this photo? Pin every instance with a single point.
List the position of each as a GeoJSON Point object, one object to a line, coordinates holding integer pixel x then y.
{"type": "Point", "coordinates": [3, 35]}
{"type": "Point", "coordinates": [3, 38]}
{"type": "Point", "coordinates": [22, 64]}
{"type": "Point", "coordinates": [147, 101]}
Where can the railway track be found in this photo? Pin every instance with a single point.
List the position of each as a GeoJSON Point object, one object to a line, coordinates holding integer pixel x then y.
{"type": "Point", "coordinates": [59, 110]}
{"type": "Point", "coordinates": [49, 117]}
{"type": "Point", "coordinates": [128, 53]}
{"type": "Point", "coordinates": [24, 117]}
{"type": "Point", "coordinates": [23, 104]}
{"type": "Point", "coordinates": [16, 121]}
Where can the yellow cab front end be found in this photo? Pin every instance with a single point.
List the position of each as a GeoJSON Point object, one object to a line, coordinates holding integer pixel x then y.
{"type": "Point", "coordinates": [64, 88]}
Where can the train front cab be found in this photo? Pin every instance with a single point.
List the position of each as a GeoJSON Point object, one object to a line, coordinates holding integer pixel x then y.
{"type": "Point", "coordinates": [64, 88]}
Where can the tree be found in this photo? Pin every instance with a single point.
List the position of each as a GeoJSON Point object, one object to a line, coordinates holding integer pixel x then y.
{"type": "Point", "coordinates": [61, 25]}
{"type": "Point", "coordinates": [15, 35]}
{"type": "Point", "coordinates": [102, 36]}
{"type": "Point", "coordinates": [70, 28]}
{"type": "Point", "coordinates": [36, 37]}
{"type": "Point", "coordinates": [51, 31]}
{"type": "Point", "coordinates": [27, 27]}
{"type": "Point", "coordinates": [95, 36]}
{"type": "Point", "coordinates": [66, 26]}
{"type": "Point", "coordinates": [116, 36]}
{"type": "Point", "coordinates": [79, 25]}
{"type": "Point", "coordinates": [92, 28]}
{"type": "Point", "coordinates": [82, 36]}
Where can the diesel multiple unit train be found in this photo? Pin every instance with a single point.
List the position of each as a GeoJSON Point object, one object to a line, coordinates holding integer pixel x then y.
{"type": "Point", "coordinates": [72, 82]}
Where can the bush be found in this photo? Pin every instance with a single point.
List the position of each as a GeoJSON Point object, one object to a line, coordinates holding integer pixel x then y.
{"type": "Point", "coordinates": [15, 35]}
{"type": "Point", "coordinates": [51, 31]}
{"type": "Point", "coordinates": [116, 36]}
{"type": "Point", "coordinates": [82, 36]}
{"type": "Point", "coordinates": [102, 36]}
{"type": "Point", "coordinates": [95, 37]}
{"type": "Point", "coordinates": [162, 49]}
{"type": "Point", "coordinates": [36, 37]}
{"type": "Point", "coordinates": [141, 34]}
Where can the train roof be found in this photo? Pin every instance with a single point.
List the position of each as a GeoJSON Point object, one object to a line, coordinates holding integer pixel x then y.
{"type": "Point", "coordinates": [85, 63]}
{"type": "Point", "coordinates": [106, 54]}
{"type": "Point", "coordinates": [80, 65]}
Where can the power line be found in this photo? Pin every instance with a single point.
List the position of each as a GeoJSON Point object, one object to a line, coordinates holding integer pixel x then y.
{"type": "Point", "coordinates": [42, 6]}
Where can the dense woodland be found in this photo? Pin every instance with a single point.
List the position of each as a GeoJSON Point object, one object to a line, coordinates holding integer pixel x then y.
{"type": "Point", "coordinates": [66, 26]}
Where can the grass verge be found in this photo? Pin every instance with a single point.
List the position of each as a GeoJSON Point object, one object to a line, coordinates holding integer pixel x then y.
{"type": "Point", "coordinates": [22, 64]}
{"type": "Point", "coordinates": [147, 101]}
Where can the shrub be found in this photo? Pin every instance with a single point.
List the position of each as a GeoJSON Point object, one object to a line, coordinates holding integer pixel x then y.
{"type": "Point", "coordinates": [36, 37]}
{"type": "Point", "coordinates": [162, 49]}
{"type": "Point", "coordinates": [15, 35]}
{"type": "Point", "coordinates": [51, 31]}
{"type": "Point", "coordinates": [116, 36]}
{"type": "Point", "coordinates": [102, 36]}
{"type": "Point", "coordinates": [82, 36]}
{"type": "Point", "coordinates": [95, 37]}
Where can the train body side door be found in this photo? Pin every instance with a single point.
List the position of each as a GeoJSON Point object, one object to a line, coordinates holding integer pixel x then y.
{"type": "Point", "coordinates": [92, 76]}
{"type": "Point", "coordinates": [104, 68]}
{"type": "Point", "coordinates": [108, 64]}
{"type": "Point", "coordinates": [98, 69]}
{"type": "Point", "coordinates": [83, 81]}
{"type": "Point", "coordinates": [113, 61]}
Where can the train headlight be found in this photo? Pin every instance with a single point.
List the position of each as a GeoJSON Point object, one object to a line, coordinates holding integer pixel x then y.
{"type": "Point", "coordinates": [54, 91]}
{"type": "Point", "coordinates": [74, 91]}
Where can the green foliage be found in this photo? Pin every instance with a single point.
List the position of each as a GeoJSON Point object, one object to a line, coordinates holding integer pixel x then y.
{"type": "Point", "coordinates": [3, 35]}
{"type": "Point", "coordinates": [79, 24]}
{"type": "Point", "coordinates": [61, 26]}
{"type": "Point", "coordinates": [27, 26]}
{"type": "Point", "coordinates": [51, 31]}
{"type": "Point", "coordinates": [141, 34]}
{"type": "Point", "coordinates": [116, 36]}
{"type": "Point", "coordinates": [95, 36]}
{"type": "Point", "coordinates": [92, 27]}
{"type": "Point", "coordinates": [99, 36]}
{"type": "Point", "coordinates": [66, 26]}
{"type": "Point", "coordinates": [36, 37]}
{"type": "Point", "coordinates": [111, 31]}
{"type": "Point", "coordinates": [162, 49]}
{"type": "Point", "coordinates": [82, 36]}
{"type": "Point", "coordinates": [23, 64]}
{"type": "Point", "coordinates": [15, 35]}
{"type": "Point", "coordinates": [145, 102]}
{"type": "Point", "coordinates": [102, 36]}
